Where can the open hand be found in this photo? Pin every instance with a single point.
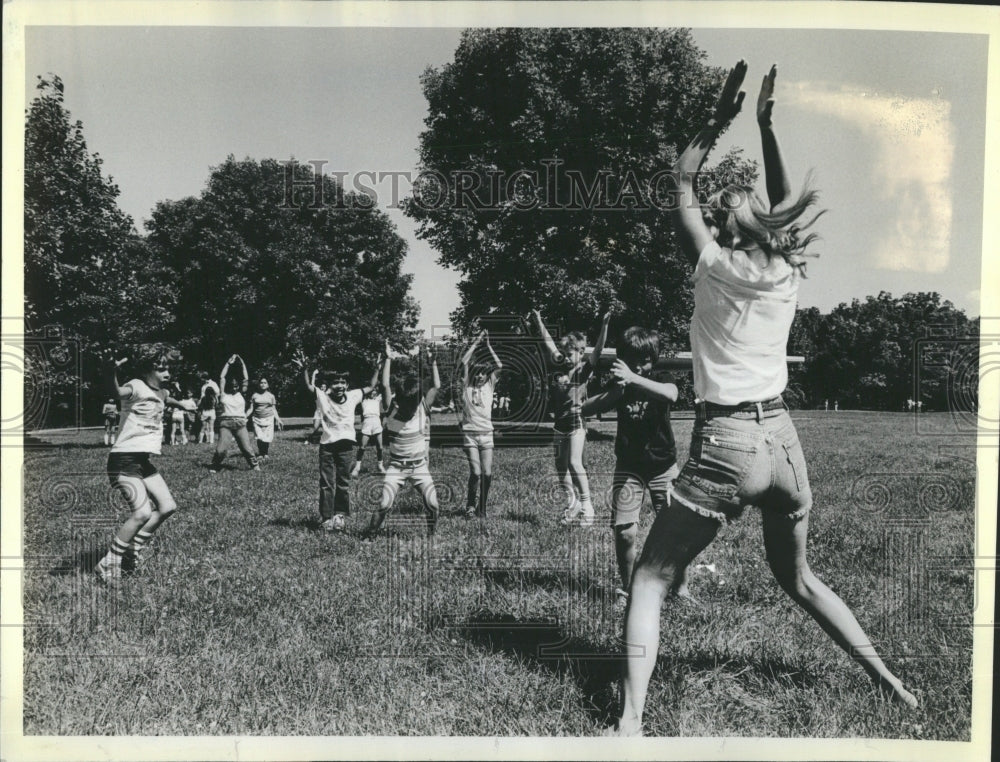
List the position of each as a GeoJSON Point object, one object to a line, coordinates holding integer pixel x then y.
{"type": "Point", "coordinates": [731, 99]}
{"type": "Point", "coordinates": [765, 101]}
{"type": "Point", "coordinates": [299, 359]}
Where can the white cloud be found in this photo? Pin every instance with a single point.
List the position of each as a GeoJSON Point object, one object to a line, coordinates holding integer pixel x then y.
{"type": "Point", "coordinates": [911, 176]}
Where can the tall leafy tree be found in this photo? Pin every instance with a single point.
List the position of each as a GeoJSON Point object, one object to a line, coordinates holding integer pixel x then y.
{"type": "Point", "coordinates": [594, 114]}
{"type": "Point", "coordinates": [271, 258]}
{"type": "Point", "coordinates": [86, 272]}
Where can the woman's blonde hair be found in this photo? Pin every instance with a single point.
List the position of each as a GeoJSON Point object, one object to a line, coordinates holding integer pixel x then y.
{"type": "Point", "coordinates": [741, 216]}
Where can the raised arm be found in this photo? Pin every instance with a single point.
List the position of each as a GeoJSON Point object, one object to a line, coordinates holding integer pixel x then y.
{"type": "Point", "coordinates": [546, 338]}
{"type": "Point", "coordinates": [779, 189]}
{"type": "Point", "coordinates": [497, 365]}
{"type": "Point", "coordinates": [299, 359]}
{"type": "Point", "coordinates": [468, 356]}
{"type": "Point", "coordinates": [225, 372]}
{"type": "Point", "coordinates": [602, 337]}
{"type": "Point", "coordinates": [386, 371]}
{"type": "Point", "coordinates": [435, 379]}
{"type": "Point", "coordinates": [246, 375]}
{"type": "Point", "coordinates": [119, 392]}
{"type": "Point", "coordinates": [686, 216]}
{"type": "Point", "coordinates": [657, 389]}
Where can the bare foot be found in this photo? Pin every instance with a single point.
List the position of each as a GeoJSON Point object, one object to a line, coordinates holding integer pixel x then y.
{"type": "Point", "coordinates": [622, 730]}
{"type": "Point", "coordinates": [895, 692]}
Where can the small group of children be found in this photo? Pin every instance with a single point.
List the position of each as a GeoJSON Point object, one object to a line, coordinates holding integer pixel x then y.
{"type": "Point", "coordinates": [179, 419]}
{"type": "Point", "coordinates": [477, 423]}
{"type": "Point", "coordinates": [206, 414]}
{"type": "Point", "coordinates": [567, 391]}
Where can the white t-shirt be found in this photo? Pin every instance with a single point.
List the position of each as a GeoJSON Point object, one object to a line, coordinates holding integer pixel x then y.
{"type": "Point", "coordinates": [337, 419]}
{"type": "Point", "coordinates": [739, 330]}
{"type": "Point", "coordinates": [141, 428]}
{"type": "Point", "coordinates": [371, 408]}
{"type": "Point", "coordinates": [233, 406]}
{"type": "Point", "coordinates": [477, 409]}
{"type": "Point", "coordinates": [409, 437]}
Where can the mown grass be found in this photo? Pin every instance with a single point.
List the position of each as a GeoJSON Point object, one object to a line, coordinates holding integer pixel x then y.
{"type": "Point", "coordinates": [247, 619]}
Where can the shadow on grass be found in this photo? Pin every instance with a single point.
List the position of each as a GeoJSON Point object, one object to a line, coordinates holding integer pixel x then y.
{"type": "Point", "coordinates": [524, 518]}
{"type": "Point", "coordinates": [311, 524]}
{"type": "Point", "coordinates": [545, 642]}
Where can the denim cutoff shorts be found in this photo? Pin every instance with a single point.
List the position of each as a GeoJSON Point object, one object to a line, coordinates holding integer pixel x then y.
{"type": "Point", "coordinates": [745, 459]}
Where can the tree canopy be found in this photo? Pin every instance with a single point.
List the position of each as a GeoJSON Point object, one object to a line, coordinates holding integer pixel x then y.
{"type": "Point", "coordinates": [261, 274]}
{"type": "Point", "coordinates": [540, 167]}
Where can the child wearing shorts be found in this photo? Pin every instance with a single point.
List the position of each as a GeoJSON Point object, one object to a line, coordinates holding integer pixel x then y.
{"type": "Point", "coordinates": [264, 416]}
{"type": "Point", "coordinates": [233, 420]}
{"type": "Point", "coordinates": [568, 390]}
{"type": "Point", "coordinates": [143, 400]}
{"type": "Point", "coordinates": [371, 422]}
{"type": "Point", "coordinates": [407, 446]}
{"type": "Point", "coordinates": [110, 413]}
{"type": "Point", "coordinates": [477, 424]}
{"type": "Point", "coordinates": [645, 452]}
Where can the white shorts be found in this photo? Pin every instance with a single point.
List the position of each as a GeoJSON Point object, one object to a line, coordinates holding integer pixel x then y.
{"type": "Point", "coordinates": [177, 416]}
{"type": "Point", "coordinates": [398, 474]}
{"type": "Point", "coordinates": [370, 427]}
{"type": "Point", "coordinates": [481, 440]}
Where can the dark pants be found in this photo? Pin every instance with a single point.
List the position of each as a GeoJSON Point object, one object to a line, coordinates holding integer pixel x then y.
{"type": "Point", "coordinates": [335, 463]}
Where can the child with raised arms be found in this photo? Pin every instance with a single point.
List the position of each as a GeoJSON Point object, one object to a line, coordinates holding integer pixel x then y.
{"type": "Point", "coordinates": [567, 391]}
{"type": "Point", "coordinates": [233, 418]}
{"type": "Point", "coordinates": [336, 445]}
{"type": "Point", "coordinates": [406, 424]}
{"type": "Point", "coordinates": [749, 259]}
{"type": "Point", "coordinates": [371, 423]}
{"type": "Point", "coordinates": [477, 423]}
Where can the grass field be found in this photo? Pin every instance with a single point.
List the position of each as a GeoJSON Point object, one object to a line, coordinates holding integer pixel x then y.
{"type": "Point", "coordinates": [247, 619]}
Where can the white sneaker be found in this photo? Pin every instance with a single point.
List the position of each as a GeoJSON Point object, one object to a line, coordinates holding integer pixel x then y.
{"type": "Point", "coordinates": [357, 468]}
{"type": "Point", "coordinates": [569, 515]}
{"type": "Point", "coordinates": [381, 468]}
{"type": "Point", "coordinates": [336, 524]}
{"type": "Point", "coordinates": [109, 574]}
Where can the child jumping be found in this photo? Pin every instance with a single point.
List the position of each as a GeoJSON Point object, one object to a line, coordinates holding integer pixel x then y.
{"type": "Point", "coordinates": [407, 447]}
{"type": "Point", "coordinates": [749, 259]}
{"type": "Point", "coordinates": [477, 424]}
{"type": "Point", "coordinates": [336, 446]}
{"type": "Point", "coordinates": [646, 456]}
{"type": "Point", "coordinates": [233, 420]}
{"type": "Point", "coordinates": [143, 400]}
{"type": "Point", "coordinates": [568, 390]}
{"type": "Point", "coordinates": [265, 417]}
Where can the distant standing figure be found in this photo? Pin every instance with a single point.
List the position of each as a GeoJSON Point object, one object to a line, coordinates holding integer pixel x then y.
{"type": "Point", "coordinates": [265, 417]}
{"type": "Point", "coordinates": [110, 413]}
{"type": "Point", "coordinates": [836, 406]}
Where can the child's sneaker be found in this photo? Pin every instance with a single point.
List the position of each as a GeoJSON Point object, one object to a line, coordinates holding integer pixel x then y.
{"type": "Point", "coordinates": [381, 468]}
{"type": "Point", "coordinates": [336, 524]}
{"type": "Point", "coordinates": [586, 517]}
{"type": "Point", "coordinates": [569, 515]}
{"type": "Point", "coordinates": [621, 599]}
{"type": "Point", "coordinates": [357, 468]}
{"type": "Point", "coordinates": [109, 574]}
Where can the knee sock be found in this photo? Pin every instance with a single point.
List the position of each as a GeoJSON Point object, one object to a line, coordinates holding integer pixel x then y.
{"type": "Point", "coordinates": [484, 491]}
{"type": "Point", "coordinates": [470, 500]}
{"type": "Point", "coordinates": [139, 542]}
{"type": "Point", "coordinates": [114, 555]}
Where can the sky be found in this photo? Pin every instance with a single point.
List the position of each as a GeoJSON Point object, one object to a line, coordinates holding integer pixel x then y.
{"type": "Point", "coordinates": [891, 124]}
